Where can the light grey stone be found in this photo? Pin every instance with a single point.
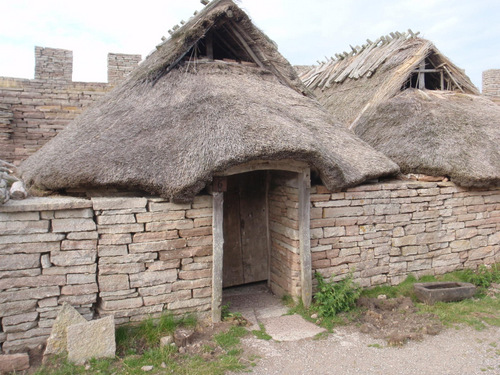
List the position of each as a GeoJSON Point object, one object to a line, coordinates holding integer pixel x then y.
{"type": "Point", "coordinates": [76, 213]}
{"type": "Point", "coordinates": [19, 261]}
{"type": "Point", "coordinates": [57, 342]}
{"type": "Point", "coordinates": [35, 238]}
{"type": "Point", "coordinates": [103, 203]}
{"type": "Point", "coordinates": [19, 216]}
{"type": "Point", "coordinates": [45, 204]}
{"type": "Point", "coordinates": [94, 339]}
{"type": "Point", "coordinates": [73, 225]}
{"type": "Point", "coordinates": [152, 278]}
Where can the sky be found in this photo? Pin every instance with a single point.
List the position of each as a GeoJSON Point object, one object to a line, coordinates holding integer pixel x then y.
{"type": "Point", "coordinates": [306, 31]}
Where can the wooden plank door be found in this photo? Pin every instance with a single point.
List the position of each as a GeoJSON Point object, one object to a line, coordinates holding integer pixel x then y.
{"type": "Point", "coordinates": [245, 230]}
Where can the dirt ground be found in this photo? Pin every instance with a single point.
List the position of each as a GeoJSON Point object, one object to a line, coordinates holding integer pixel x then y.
{"type": "Point", "coordinates": [389, 338]}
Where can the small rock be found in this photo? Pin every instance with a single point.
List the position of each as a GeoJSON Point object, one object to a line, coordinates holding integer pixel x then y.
{"type": "Point", "coordinates": [166, 340]}
{"type": "Point", "coordinates": [87, 367]}
{"type": "Point", "coordinates": [382, 296]}
{"type": "Point", "coordinates": [318, 322]}
{"type": "Point", "coordinates": [314, 316]}
{"type": "Point", "coordinates": [182, 350]}
{"type": "Point", "coordinates": [183, 336]}
{"type": "Point", "coordinates": [146, 368]}
{"type": "Point", "coordinates": [14, 362]}
{"type": "Point", "coordinates": [163, 365]}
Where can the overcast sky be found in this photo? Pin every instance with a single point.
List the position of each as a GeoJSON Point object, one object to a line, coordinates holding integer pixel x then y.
{"type": "Point", "coordinates": [467, 31]}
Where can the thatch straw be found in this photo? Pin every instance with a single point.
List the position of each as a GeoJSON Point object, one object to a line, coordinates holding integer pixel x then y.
{"type": "Point", "coordinates": [438, 133]}
{"type": "Point", "coordinates": [168, 130]}
{"type": "Point", "coordinates": [352, 86]}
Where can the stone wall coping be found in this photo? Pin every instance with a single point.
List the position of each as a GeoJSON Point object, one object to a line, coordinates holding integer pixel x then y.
{"type": "Point", "coordinates": [45, 204]}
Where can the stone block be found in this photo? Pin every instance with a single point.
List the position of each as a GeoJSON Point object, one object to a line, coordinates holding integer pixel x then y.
{"type": "Point", "coordinates": [155, 236]}
{"type": "Point", "coordinates": [112, 250]}
{"type": "Point", "coordinates": [163, 265]}
{"type": "Point", "coordinates": [334, 232]}
{"type": "Point", "coordinates": [202, 201]}
{"type": "Point", "coordinates": [29, 248]}
{"type": "Point", "coordinates": [45, 204]}
{"type": "Point", "coordinates": [88, 268]}
{"type": "Point", "coordinates": [78, 213]}
{"type": "Point", "coordinates": [57, 342]}
{"type": "Point", "coordinates": [73, 258]}
{"type": "Point", "coordinates": [197, 274]}
{"type": "Point", "coordinates": [120, 228]}
{"type": "Point", "coordinates": [78, 278]}
{"type": "Point", "coordinates": [460, 245]}
{"type": "Point", "coordinates": [115, 239]}
{"type": "Point", "coordinates": [77, 290]}
{"type": "Point", "coordinates": [104, 203]}
{"type": "Point", "coordinates": [157, 246]}
{"type": "Point", "coordinates": [19, 216]}
{"type": "Point", "coordinates": [124, 304]}
{"type": "Point", "coordinates": [32, 238]}
{"type": "Point", "coordinates": [24, 227]}
{"type": "Point", "coordinates": [73, 225]}
{"type": "Point", "coordinates": [19, 261]}
{"type": "Point", "coordinates": [110, 283]}
{"type": "Point", "coordinates": [149, 217]}
{"type": "Point", "coordinates": [168, 206]}
{"type": "Point", "coordinates": [127, 268]}
{"type": "Point", "coordinates": [167, 298]}
{"type": "Point", "coordinates": [22, 327]}
{"type": "Point", "coordinates": [94, 339]}
{"type": "Point", "coordinates": [480, 253]}
{"type": "Point", "coordinates": [149, 278]}
{"type": "Point", "coordinates": [190, 303]}
{"type": "Point", "coordinates": [200, 212]}
{"type": "Point", "coordinates": [30, 282]}
{"type": "Point", "coordinates": [30, 293]}
{"type": "Point", "coordinates": [83, 299]}
{"type": "Point", "coordinates": [82, 235]}
{"type": "Point", "coordinates": [14, 362]}
{"type": "Point", "coordinates": [129, 258]}
{"type": "Point", "coordinates": [155, 290]}
{"type": "Point", "coordinates": [191, 284]}
{"type": "Point", "coordinates": [116, 219]}
{"type": "Point", "coordinates": [79, 245]}
{"type": "Point", "coordinates": [21, 318]}
{"type": "Point", "coordinates": [404, 241]}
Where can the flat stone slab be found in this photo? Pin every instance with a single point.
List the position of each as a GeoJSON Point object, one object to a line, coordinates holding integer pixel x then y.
{"type": "Point", "coordinates": [94, 339]}
{"type": "Point", "coordinates": [57, 341]}
{"type": "Point", "coordinates": [14, 362]}
{"type": "Point", "coordinates": [443, 291]}
{"type": "Point", "coordinates": [290, 328]}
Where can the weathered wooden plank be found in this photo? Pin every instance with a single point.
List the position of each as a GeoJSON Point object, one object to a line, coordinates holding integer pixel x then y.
{"type": "Point", "coordinates": [305, 236]}
{"type": "Point", "coordinates": [218, 252]}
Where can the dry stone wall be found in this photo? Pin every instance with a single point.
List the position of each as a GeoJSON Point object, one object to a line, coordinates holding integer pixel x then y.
{"type": "Point", "coordinates": [32, 111]}
{"type": "Point", "coordinates": [383, 232]}
{"type": "Point", "coordinates": [491, 84]}
{"type": "Point", "coordinates": [127, 257]}
{"type": "Point", "coordinates": [284, 233]}
{"type": "Point", "coordinates": [133, 257]}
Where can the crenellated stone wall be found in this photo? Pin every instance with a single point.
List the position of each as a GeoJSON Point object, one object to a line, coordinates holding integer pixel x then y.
{"type": "Point", "coordinates": [32, 111]}
{"type": "Point", "coordinates": [491, 84]}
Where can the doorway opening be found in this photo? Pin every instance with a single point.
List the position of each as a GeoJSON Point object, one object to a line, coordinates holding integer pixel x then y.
{"type": "Point", "coordinates": [261, 231]}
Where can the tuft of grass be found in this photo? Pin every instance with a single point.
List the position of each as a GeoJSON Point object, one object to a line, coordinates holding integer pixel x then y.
{"type": "Point", "coordinates": [228, 340]}
{"type": "Point", "coordinates": [261, 334]}
{"type": "Point", "coordinates": [333, 297]}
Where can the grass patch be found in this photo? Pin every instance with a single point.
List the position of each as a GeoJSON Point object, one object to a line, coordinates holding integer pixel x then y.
{"type": "Point", "coordinates": [138, 345]}
{"type": "Point", "coordinates": [261, 334]}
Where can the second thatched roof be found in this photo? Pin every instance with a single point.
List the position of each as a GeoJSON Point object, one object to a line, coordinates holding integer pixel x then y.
{"type": "Point", "coordinates": [180, 119]}
{"type": "Point", "coordinates": [438, 133]}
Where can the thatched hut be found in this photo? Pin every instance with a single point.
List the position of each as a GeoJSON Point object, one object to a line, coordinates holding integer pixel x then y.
{"type": "Point", "coordinates": [407, 100]}
{"type": "Point", "coordinates": [215, 102]}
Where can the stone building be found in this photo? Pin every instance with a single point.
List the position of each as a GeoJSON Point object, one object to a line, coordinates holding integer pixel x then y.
{"type": "Point", "coordinates": [211, 165]}
{"type": "Point", "coordinates": [491, 84]}
{"type": "Point", "coordinates": [32, 111]}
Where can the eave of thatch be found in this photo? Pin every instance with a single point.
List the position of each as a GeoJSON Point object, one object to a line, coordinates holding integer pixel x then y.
{"type": "Point", "coordinates": [174, 124]}
{"type": "Point", "coordinates": [438, 133]}
{"type": "Point", "coordinates": [355, 83]}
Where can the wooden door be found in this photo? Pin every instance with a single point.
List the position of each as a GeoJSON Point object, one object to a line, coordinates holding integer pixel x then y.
{"type": "Point", "coordinates": [245, 229]}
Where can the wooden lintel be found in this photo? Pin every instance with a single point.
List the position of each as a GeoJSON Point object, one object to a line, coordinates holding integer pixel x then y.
{"type": "Point", "coordinates": [261, 165]}
{"type": "Point", "coordinates": [418, 70]}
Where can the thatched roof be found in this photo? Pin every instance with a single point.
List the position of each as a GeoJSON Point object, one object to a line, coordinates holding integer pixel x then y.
{"type": "Point", "coordinates": [438, 133]}
{"type": "Point", "coordinates": [352, 84]}
{"type": "Point", "coordinates": [443, 129]}
{"type": "Point", "coordinates": [180, 118]}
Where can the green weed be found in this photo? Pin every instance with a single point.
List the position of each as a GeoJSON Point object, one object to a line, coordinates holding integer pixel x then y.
{"type": "Point", "coordinates": [333, 297]}
{"type": "Point", "coordinates": [261, 334]}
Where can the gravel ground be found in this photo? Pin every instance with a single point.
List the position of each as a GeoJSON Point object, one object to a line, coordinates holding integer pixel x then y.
{"type": "Point", "coordinates": [462, 351]}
